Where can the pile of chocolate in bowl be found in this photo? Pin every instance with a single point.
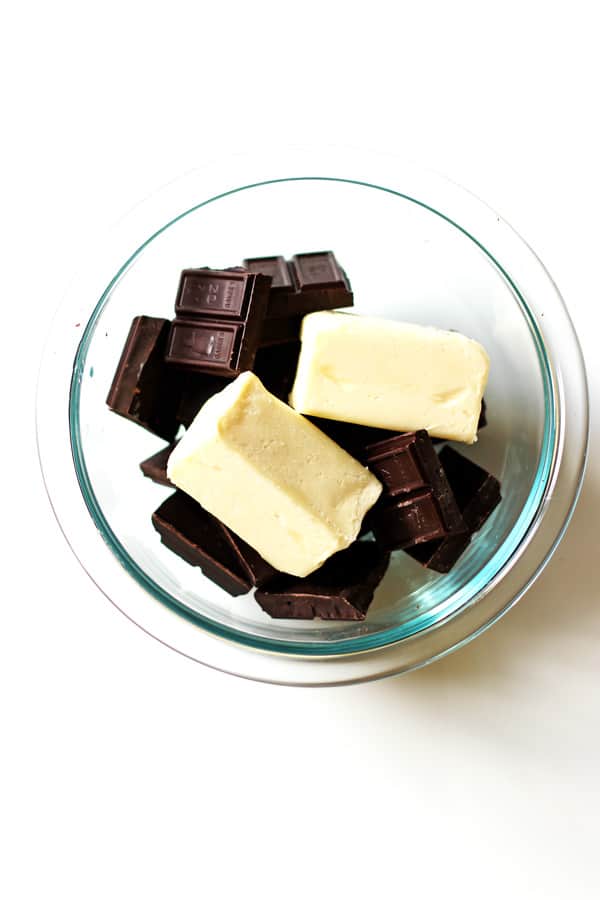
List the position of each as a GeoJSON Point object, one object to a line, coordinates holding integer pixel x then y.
{"type": "Point", "coordinates": [301, 437]}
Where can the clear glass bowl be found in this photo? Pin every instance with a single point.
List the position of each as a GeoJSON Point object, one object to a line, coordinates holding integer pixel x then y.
{"type": "Point", "coordinates": [417, 248]}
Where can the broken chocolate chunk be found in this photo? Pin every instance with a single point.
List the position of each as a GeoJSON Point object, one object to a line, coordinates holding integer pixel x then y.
{"type": "Point", "coordinates": [477, 494]}
{"type": "Point", "coordinates": [482, 415]}
{"type": "Point", "coordinates": [155, 467]}
{"type": "Point", "coordinates": [342, 588]}
{"type": "Point", "coordinates": [200, 539]}
{"type": "Point", "coordinates": [143, 388]}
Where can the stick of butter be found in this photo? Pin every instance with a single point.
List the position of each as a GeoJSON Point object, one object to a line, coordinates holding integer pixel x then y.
{"type": "Point", "coordinates": [390, 375]}
{"type": "Point", "coordinates": [272, 477]}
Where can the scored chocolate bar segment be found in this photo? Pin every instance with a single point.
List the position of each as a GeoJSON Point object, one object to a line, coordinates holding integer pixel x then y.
{"type": "Point", "coordinates": [276, 267]}
{"type": "Point", "coordinates": [317, 270]}
{"type": "Point", "coordinates": [220, 317]}
{"type": "Point", "coordinates": [418, 504]}
{"type": "Point", "coordinates": [410, 519]}
{"type": "Point", "coordinates": [143, 388]}
{"type": "Point", "coordinates": [477, 494]}
{"type": "Point", "coordinates": [155, 467]}
{"type": "Point", "coordinates": [201, 540]}
{"type": "Point", "coordinates": [219, 293]}
{"type": "Point", "coordinates": [405, 463]}
{"type": "Point", "coordinates": [408, 462]}
{"type": "Point", "coordinates": [205, 346]}
{"type": "Point", "coordinates": [342, 588]}
{"type": "Point", "coordinates": [308, 282]}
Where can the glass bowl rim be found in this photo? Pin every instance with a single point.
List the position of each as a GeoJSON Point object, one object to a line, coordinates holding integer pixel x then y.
{"type": "Point", "coordinates": [453, 637]}
{"type": "Point", "coordinates": [472, 589]}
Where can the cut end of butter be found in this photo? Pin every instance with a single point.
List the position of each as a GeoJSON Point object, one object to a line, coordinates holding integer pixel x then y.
{"type": "Point", "coordinates": [272, 477]}
{"type": "Point", "coordinates": [390, 374]}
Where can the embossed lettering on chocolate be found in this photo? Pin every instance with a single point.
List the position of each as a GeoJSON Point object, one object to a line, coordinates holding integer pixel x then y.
{"type": "Point", "coordinates": [219, 320]}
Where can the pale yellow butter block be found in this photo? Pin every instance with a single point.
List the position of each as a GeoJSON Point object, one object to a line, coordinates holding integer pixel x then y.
{"type": "Point", "coordinates": [272, 477]}
{"type": "Point", "coordinates": [390, 375]}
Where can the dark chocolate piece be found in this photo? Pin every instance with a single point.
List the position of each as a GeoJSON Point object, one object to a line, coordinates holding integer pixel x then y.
{"type": "Point", "coordinates": [276, 368]}
{"type": "Point", "coordinates": [440, 555]}
{"type": "Point", "coordinates": [280, 331]}
{"type": "Point", "coordinates": [258, 570]}
{"type": "Point", "coordinates": [341, 589]}
{"type": "Point", "coordinates": [477, 494]}
{"type": "Point", "coordinates": [191, 532]}
{"type": "Point", "coordinates": [196, 389]}
{"type": "Point", "coordinates": [224, 294]}
{"type": "Point", "coordinates": [143, 388]}
{"type": "Point", "coordinates": [407, 462]}
{"type": "Point", "coordinates": [155, 467]}
{"type": "Point", "coordinates": [417, 504]}
{"type": "Point", "coordinates": [411, 519]}
{"type": "Point", "coordinates": [277, 268]}
{"type": "Point", "coordinates": [482, 415]}
{"type": "Point", "coordinates": [205, 346]}
{"type": "Point", "coordinates": [307, 283]}
{"type": "Point", "coordinates": [317, 270]}
{"type": "Point", "coordinates": [403, 463]}
{"type": "Point", "coordinates": [354, 439]}
{"type": "Point", "coordinates": [220, 317]}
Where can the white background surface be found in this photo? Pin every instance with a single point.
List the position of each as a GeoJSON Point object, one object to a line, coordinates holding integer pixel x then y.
{"type": "Point", "coordinates": [128, 771]}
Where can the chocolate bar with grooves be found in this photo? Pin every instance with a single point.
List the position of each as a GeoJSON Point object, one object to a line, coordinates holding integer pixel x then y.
{"type": "Point", "coordinates": [223, 294]}
{"type": "Point", "coordinates": [477, 494]}
{"type": "Point", "coordinates": [219, 320]}
{"type": "Point", "coordinates": [411, 519]}
{"type": "Point", "coordinates": [306, 283]}
{"type": "Point", "coordinates": [417, 503]}
{"type": "Point", "coordinates": [278, 270]}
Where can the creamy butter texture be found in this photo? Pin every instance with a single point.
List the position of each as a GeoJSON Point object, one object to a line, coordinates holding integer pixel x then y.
{"type": "Point", "coordinates": [390, 375]}
{"type": "Point", "coordinates": [272, 477]}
